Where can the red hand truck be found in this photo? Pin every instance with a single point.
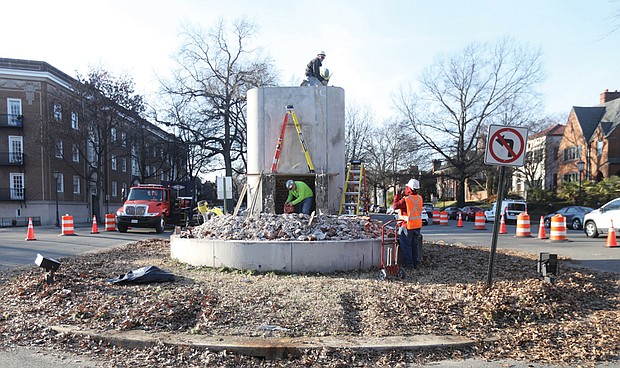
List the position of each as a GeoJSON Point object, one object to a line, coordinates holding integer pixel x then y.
{"type": "Point", "coordinates": [389, 252]}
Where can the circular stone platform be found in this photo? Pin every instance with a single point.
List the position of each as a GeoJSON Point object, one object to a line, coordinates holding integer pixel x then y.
{"type": "Point", "coordinates": [285, 256]}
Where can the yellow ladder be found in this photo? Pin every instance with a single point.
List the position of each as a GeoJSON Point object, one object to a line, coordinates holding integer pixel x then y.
{"type": "Point", "coordinates": [354, 200]}
{"type": "Point", "coordinates": [291, 111]}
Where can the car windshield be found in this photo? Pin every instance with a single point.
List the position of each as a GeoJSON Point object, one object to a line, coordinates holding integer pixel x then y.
{"type": "Point", "coordinates": [144, 195]}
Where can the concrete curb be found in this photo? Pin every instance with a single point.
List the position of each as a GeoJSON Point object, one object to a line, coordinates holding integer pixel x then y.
{"type": "Point", "coordinates": [267, 347]}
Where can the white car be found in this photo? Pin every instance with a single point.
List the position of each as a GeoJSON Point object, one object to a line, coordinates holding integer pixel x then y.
{"type": "Point", "coordinates": [600, 220]}
{"type": "Point", "coordinates": [510, 208]}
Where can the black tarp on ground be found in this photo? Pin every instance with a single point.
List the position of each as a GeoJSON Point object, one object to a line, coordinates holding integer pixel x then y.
{"type": "Point", "coordinates": [143, 275]}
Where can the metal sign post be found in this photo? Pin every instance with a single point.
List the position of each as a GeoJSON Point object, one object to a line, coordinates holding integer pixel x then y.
{"type": "Point", "coordinates": [505, 147]}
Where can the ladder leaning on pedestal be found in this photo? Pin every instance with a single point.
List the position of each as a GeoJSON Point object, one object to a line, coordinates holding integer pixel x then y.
{"type": "Point", "coordinates": [354, 198]}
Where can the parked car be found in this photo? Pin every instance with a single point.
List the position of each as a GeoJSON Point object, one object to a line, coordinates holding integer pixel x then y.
{"type": "Point", "coordinates": [469, 212]}
{"type": "Point", "coordinates": [453, 212]}
{"type": "Point", "coordinates": [511, 208]}
{"type": "Point", "coordinates": [573, 214]}
{"type": "Point", "coordinates": [428, 208]}
{"type": "Point", "coordinates": [600, 220]}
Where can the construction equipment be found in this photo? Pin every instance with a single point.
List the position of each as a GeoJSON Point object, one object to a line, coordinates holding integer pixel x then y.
{"type": "Point", "coordinates": [389, 252]}
{"type": "Point", "coordinates": [354, 199]}
{"type": "Point", "coordinates": [290, 110]}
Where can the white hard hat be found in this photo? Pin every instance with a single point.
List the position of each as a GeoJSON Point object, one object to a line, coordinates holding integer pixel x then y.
{"type": "Point", "coordinates": [321, 53]}
{"type": "Point", "coordinates": [413, 184]}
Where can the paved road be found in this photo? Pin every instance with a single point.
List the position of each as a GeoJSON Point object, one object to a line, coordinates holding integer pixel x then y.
{"type": "Point", "coordinates": [15, 252]}
{"type": "Point", "coordinates": [583, 251]}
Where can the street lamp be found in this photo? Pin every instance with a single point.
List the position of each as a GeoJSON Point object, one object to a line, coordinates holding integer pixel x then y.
{"type": "Point", "coordinates": [56, 176]}
{"type": "Point", "coordinates": [580, 165]}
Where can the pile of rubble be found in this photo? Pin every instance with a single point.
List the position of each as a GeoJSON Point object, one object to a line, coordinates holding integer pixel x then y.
{"type": "Point", "coordinates": [287, 227]}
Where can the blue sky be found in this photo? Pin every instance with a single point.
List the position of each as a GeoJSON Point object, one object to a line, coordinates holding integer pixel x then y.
{"type": "Point", "coordinates": [373, 47]}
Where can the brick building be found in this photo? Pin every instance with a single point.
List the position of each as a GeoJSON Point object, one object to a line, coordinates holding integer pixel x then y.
{"type": "Point", "coordinates": [45, 167]}
{"type": "Point", "coordinates": [593, 138]}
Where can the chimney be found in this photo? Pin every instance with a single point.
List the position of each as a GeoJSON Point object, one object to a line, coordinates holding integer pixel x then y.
{"type": "Point", "coordinates": [608, 96]}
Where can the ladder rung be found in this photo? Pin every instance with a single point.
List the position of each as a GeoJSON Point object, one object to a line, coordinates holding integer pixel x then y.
{"type": "Point", "coordinates": [353, 193]}
{"type": "Point", "coordinates": [351, 204]}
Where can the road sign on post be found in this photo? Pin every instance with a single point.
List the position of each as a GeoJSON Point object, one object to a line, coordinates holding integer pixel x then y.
{"type": "Point", "coordinates": [505, 147]}
{"type": "Point", "coordinates": [224, 189]}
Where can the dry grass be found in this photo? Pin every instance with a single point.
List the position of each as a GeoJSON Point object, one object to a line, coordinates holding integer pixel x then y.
{"type": "Point", "coordinates": [576, 320]}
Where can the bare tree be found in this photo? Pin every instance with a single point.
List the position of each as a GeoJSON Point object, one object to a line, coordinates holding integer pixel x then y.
{"type": "Point", "coordinates": [99, 104]}
{"type": "Point", "coordinates": [359, 121]}
{"type": "Point", "coordinates": [207, 93]}
{"type": "Point", "coordinates": [392, 155]}
{"type": "Point", "coordinates": [464, 93]}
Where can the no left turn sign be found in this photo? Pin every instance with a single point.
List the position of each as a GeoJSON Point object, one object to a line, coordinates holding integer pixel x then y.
{"type": "Point", "coordinates": [506, 146]}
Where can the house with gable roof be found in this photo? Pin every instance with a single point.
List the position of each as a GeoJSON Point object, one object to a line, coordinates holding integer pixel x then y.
{"type": "Point", "coordinates": [592, 136]}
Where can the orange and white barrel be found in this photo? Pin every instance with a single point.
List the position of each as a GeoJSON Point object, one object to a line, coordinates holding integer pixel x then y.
{"type": "Point", "coordinates": [67, 225]}
{"type": "Point", "coordinates": [443, 218]}
{"type": "Point", "coordinates": [109, 222]}
{"type": "Point", "coordinates": [558, 228]}
{"type": "Point", "coordinates": [436, 217]}
{"type": "Point", "coordinates": [480, 221]}
{"type": "Point", "coordinates": [523, 225]}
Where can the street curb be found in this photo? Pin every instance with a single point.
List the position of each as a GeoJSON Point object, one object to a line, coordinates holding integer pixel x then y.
{"type": "Point", "coordinates": [270, 347]}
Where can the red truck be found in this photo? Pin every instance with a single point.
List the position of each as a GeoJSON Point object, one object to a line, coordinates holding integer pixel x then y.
{"type": "Point", "coordinates": [152, 206]}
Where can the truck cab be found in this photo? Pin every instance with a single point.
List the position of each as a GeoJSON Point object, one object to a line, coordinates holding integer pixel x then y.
{"type": "Point", "coordinates": [146, 206]}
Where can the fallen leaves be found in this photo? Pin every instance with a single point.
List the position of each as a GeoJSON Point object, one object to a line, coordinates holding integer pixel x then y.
{"type": "Point", "coordinates": [576, 320]}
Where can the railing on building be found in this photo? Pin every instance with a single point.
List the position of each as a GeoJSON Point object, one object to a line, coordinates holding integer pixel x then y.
{"type": "Point", "coordinates": [11, 120]}
{"type": "Point", "coordinates": [11, 158]}
{"type": "Point", "coordinates": [12, 194]}
{"type": "Point", "coordinates": [19, 221]}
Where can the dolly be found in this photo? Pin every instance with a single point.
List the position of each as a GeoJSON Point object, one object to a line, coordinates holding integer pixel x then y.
{"type": "Point", "coordinates": [389, 252]}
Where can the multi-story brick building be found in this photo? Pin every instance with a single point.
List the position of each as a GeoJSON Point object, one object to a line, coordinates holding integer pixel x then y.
{"type": "Point", "coordinates": [592, 140]}
{"type": "Point", "coordinates": [45, 170]}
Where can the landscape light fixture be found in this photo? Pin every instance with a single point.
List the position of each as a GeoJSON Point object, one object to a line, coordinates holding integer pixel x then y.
{"type": "Point", "coordinates": [580, 167]}
{"type": "Point", "coordinates": [548, 266]}
{"type": "Point", "coordinates": [49, 264]}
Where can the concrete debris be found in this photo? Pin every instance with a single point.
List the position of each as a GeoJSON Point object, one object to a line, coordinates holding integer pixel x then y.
{"type": "Point", "coordinates": [286, 227]}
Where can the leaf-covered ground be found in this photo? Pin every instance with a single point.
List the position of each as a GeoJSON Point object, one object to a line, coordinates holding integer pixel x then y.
{"type": "Point", "coordinates": [575, 320]}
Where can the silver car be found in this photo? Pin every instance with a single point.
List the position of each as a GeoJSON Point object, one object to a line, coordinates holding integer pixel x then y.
{"type": "Point", "coordinates": [600, 220]}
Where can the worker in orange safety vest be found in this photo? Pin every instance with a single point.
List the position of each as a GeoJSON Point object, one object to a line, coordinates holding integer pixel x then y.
{"type": "Point", "coordinates": [410, 205]}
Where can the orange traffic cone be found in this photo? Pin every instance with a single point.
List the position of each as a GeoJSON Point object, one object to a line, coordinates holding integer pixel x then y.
{"type": "Point", "coordinates": [30, 234]}
{"type": "Point", "coordinates": [542, 234]}
{"type": "Point", "coordinates": [611, 237]}
{"type": "Point", "coordinates": [95, 229]}
{"type": "Point", "coordinates": [460, 222]}
{"type": "Point", "coordinates": [502, 226]}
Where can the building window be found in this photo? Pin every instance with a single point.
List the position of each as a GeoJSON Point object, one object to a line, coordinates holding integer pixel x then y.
{"type": "Point", "coordinates": [124, 164]}
{"type": "Point", "coordinates": [571, 153]}
{"type": "Point", "coordinates": [60, 182]}
{"type": "Point", "coordinates": [57, 112]}
{"type": "Point", "coordinates": [75, 152]}
{"type": "Point", "coordinates": [568, 177]}
{"type": "Point", "coordinates": [599, 148]}
{"type": "Point", "coordinates": [76, 184]}
{"type": "Point", "coordinates": [16, 149]}
{"type": "Point", "coordinates": [113, 162]}
{"type": "Point", "coordinates": [114, 189]}
{"type": "Point", "coordinates": [17, 186]}
{"type": "Point", "coordinates": [59, 152]}
{"type": "Point", "coordinates": [113, 135]}
{"type": "Point", "coordinates": [74, 120]}
{"type": "Point", "coordinates": [14, 110]}
{"type": "Point", "coordinates": [123, 139]}
{"type": "Point", "coordinates": [124, 188]}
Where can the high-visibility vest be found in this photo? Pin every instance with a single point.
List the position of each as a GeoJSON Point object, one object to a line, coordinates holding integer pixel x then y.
{"type": "Point", "coordinates": [414, 211]}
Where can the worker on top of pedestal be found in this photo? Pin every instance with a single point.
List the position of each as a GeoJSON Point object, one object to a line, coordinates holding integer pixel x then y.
{"type": "Point", "coordinates": [314, 77]}
{"type": "Point", "coordinates": [299, 195]}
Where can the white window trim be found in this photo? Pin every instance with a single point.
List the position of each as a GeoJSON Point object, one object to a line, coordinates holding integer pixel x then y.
{"type": "Point", "coordinates": [76, 184]}
{"type": "Point", "coordinates": [17, 192]}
